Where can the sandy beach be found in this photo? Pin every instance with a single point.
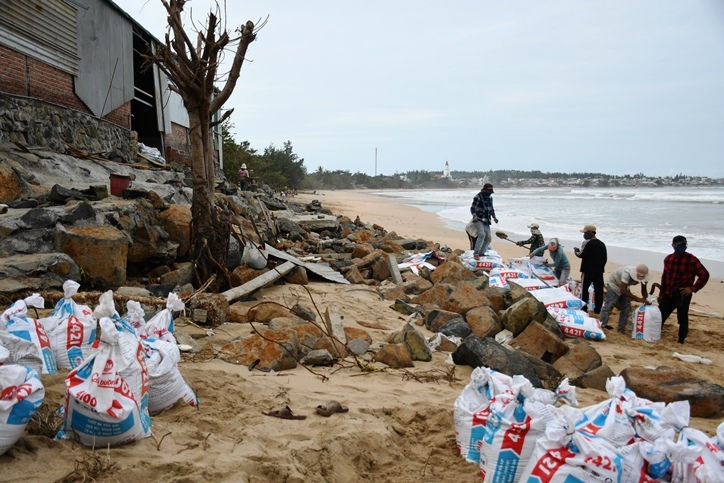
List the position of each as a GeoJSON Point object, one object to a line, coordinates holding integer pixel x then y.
{"type": "Point", "coordinates": [399, 427]}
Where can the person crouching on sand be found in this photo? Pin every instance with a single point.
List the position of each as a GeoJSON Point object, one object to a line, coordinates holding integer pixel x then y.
{"type": "Point", "coordinates": [535, 241]}
{"type": "Point", "coordinates": [683, 275]}
{"type": "Point", "coordinates": [483, 211]}
{"type": "Point", "coordinates": [561, 265]}
{"type": "Point", "coordinates": [618, 293]}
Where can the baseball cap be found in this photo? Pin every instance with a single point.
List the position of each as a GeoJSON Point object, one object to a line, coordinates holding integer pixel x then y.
{"type": "Point", "coordinates": [589, 228]}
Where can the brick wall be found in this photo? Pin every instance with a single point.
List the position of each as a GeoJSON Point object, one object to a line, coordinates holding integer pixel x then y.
{"type": "Point", "coordinates": [50, 84]}
{"type": "Point", "coordinates": [23, 75]}
{"type": "Point", "coordinates": [12, 72]}
{"type": "Point", "coordinates": [177, 139]}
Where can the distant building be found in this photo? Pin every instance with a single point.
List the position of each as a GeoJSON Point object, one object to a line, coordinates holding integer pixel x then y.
{"type": "Point", "coordinates": [446, 171]}
{"type": "Point", "coordinates": [82, 62]}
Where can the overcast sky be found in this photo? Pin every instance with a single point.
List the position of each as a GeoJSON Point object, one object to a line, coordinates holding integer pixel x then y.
{"type": "Point", "coordinates": [614, 86]}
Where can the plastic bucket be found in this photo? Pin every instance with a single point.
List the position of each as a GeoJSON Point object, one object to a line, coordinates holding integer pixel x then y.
{"type": "Point", "coordinates": [119, 182]}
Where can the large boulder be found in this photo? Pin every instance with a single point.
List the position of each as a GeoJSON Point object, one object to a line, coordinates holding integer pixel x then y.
{"type": "Point", "coordinates": [499, 298]}
{"type": "Point", "coordinates": [456, 328]}
{"type": "Point", "coordinates": [540, 342]}
{"type": "Point", "coordinates": [39, 240]}
{"type": "Point", "coordinates": [10, 187]}
{"type": "Point", "coordinates": [396, 356]}
{"type": "Point", "coordinates": [483, 321]}
{"type": "Point", "coordinates": [450, 272]}
{"type": "Point", "coordinates": [580, 358]}
{"type": "Point", "coordinates": [667, 384]}
{"type": "Point", "coordinates": [477, 352]}
{"type": "Point", "coordinates": [416, 343]}
{"type": "Point", "coordinates": [437, 318]}
{"type": "Point", "coordinates": [437, 295]}
{"type": "Point", "coordinates": [276, 350]}
{"type": "Point", "coordinates": [40, 271]}
{"type": "Point", "coordinates": [101, 251]}
{"type": "Point", "coordinates": [464, 298]}
{"type": "Point", "coordinates": [176, 220]}
{"type": "Point", "coordinates": [595, 378]}
{"type": "Point", "coordinates": [517, 317]}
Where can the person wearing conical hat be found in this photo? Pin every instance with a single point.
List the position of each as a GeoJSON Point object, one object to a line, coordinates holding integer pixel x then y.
{"type": "Point", "coordinates": [535, 241]}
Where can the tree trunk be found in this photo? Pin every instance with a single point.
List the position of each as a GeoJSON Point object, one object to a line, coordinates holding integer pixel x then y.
{"type": "Point", "coordinates": [211, 229]}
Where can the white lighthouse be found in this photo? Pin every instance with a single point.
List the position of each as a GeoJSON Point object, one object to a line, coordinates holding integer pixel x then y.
{"type": "Point", "coordinates": [446, 171]}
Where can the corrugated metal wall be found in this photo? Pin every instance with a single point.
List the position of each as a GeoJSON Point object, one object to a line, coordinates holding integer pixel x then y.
{"type": "Point", "coordinates": [45, 30]}
{"type": "Point", "coordinates": [105, 71]}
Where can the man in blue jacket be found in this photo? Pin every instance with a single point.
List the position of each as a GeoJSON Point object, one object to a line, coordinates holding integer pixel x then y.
{"type": "Point", "coordinates": [483, 211]}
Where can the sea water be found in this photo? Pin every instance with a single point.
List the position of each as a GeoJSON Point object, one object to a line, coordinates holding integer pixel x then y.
{"type": "Point", "coordinates": [637, 224]}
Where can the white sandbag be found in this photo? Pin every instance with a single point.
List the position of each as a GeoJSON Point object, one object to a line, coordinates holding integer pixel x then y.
{"type": "Point", "coordinates": [577, 323]}
{"type": "Point", "coordinates": [529, 284]}
{"type": "Point", "coordinates": [71, 329]}
{"type": "Point", "coordinates": [20, 351]}
{"type": "Point", "coordinates": [564, 455]}
{"type": "Point", "coordinates": [102, 405]}
{"type": "Point", "coordinates": [21, 394]}
{"type": "Point", "coordinates": [646, 323]}
{"type": "Point", "coordinates": [543, 273]}
{"type": "Point", "coordinates": [489, 261]}
{"type": "Point", "coordinates": [16, 322]}
{"type": "Point", "coordinates": [609, 419]}
{"type": "Point", "coordinates": [167, 385]}
{"type": "Point", "coordinates": [508, 273]}
{"type": "Point", "coordinates": [135, 317]}
{"type": "Point", "coordinates": [4, 354]}
{"type": "Point", "coordinates": [254, 256]}
{"type": "Point", "coordinates": [708, 467]}
{"type": "Point", "coordinates": [475, 397]}
{"type": "Point", "coordinates": [160, 326]}
{"type": "Point", "coordinates": [557, 297]}
{"type": "Point", "coordinates": [520, 263]}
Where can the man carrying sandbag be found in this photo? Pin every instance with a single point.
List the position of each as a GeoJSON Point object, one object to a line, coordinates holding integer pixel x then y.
{"type": "Point", "coordinates": [618, 293]}
{"type": "Point", "coordinates": [683, 275]}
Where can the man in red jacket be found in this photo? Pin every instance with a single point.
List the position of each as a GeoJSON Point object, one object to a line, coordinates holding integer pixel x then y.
{"type": "Point", "coordinates": [683, 275]}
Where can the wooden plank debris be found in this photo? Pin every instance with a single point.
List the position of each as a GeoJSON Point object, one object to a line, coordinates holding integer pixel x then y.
{"type": "Point", "coordinates": [334, 326]}
{"type": "Point", "coordinates": [394, 270]}
{"type": "Point", "coordinates": [259, 282]}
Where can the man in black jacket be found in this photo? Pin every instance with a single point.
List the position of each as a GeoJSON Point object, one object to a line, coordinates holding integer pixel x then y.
{"type": "Point", "coordinates": [483, 212]}
{"type": "Point", "coordinates": [593, 262]}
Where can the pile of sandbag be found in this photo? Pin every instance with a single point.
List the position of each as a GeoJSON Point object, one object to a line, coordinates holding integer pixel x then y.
{"type": "Point", "coordinates": [116, 381]}
{"type": "Point", "coordinates": [516, 433]}
{"type": "Point", "coordinates": [489, 261]}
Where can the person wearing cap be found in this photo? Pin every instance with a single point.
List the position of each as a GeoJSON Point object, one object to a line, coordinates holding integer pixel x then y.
{"type": "Point", "coordinates": [683, 275]}
{"type": "Point", "coordinates": [618, 293]}
{"type": "Point", "coordinates": [535, 241]}
{"type": "Point", "coordinates": [593, 257]}
{"type": "Point", "coordinates": [243, 177]}
{"type": "Point", "coordinates": [561, 265]}
{"type": "Point", "coordinates": [483, 211]}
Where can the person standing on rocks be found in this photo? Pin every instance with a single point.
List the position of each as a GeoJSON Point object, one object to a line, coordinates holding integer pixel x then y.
{"type": "Point", "coordinates": [618, 293]}
{"type": "Point", "coordinates": [593, 262]}
{"type": "Point", "coordinates": [243, 177]}
{"type": "Point", "coordinates": [683, 275]}
{"type": "Point", "coordinates": [483, 211]}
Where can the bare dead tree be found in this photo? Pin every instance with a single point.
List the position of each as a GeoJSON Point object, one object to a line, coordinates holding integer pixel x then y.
{"type": "Point", "coordinates": [193, 71]}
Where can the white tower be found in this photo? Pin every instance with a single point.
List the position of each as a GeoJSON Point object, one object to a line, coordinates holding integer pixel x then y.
{"type": "Point", "coordinates": [446, 171]}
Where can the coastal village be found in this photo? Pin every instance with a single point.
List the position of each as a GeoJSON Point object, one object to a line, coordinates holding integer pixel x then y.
{"type": "Point", "coordinates": [324, 347]}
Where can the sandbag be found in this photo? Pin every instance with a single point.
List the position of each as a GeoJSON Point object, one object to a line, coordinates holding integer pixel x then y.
{"type": "Point", "coordinates": [107, 395]}
{"type": "Point", "coordinates": [160, 326]}
{"type": "Point", "coordinates": [557, 297]}
{"type": "Point", "coordinates": [489, 261]}
{"type": "Point", "coordinates": [254, 256]}
{"type": "Point", "coordinates": [21, 394]}
{"type": "Point", "coordinates": [20, 351]}
{"type": "Point", "coordinates": [167, 385]}
{"type": "Point", "coordinates": [135, 317]}
{"type": "Point", "coordinates": [17, 323]}
{"type": "Point", "coordinates": [71, 328]}
{"type": "Point", "coordinates": [646, 323]}
{"type": "Point", "coordinates": [577, 323]}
